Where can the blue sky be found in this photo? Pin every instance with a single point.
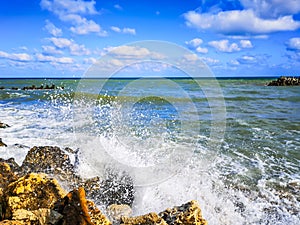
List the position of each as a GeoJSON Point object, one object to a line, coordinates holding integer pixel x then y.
{"type": "Point", "coordinates": [62, 38]}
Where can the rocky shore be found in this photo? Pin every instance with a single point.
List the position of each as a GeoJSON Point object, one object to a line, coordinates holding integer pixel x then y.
{"type": "Point", "coordinates": [33, 87]}
{"type": "Point", "coordinates": [46, 190]}
{"type": "Point", "coordinates": [285, 81]}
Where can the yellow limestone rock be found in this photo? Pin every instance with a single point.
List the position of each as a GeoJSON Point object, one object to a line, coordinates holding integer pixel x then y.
{"type": "Point", "coordinates": [148, 219]}
{"type": "Point", "coordinates": [117, 211]}
{"type": "Point", "coordinates": [32, 192]}
{"type": "Point", "coordinates": [186, 214]}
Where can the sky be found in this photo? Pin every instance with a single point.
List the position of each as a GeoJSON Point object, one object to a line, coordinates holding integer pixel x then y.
{"type": "Point", "coordinates": [63, 38]}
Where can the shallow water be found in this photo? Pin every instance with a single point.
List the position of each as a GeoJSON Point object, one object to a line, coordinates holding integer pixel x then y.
{"type": "Point", "coordinates": [161, 133]}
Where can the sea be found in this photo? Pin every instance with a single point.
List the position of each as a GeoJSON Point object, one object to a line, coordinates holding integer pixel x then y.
{"type": "Point", "coordinates": [232, 144]}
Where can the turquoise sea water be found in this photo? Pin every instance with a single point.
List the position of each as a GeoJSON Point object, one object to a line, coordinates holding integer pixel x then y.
{"type": "Point", "coordinates": [170, 134]}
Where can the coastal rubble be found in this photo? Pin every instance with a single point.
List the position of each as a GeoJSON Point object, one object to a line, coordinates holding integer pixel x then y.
{"type": "Point", "coordinates": [29, 196]}
{"type": "Point", "coordinates": [285, 81]}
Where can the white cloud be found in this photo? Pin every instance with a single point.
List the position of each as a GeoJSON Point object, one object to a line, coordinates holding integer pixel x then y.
{"type": "Point", "coordinates": [23, 57]}
{"type": "Point", "coordinates": [246, 44]}
{"type": "Point", "coordinates": [90, 60]}
{"type": "Point", "coordinates": [237, 22]}
{"type": "Point", "coordinates": [75, 49]}
{"type": "Point", "coordinates": [224, 46]}
{"type": "Point", "coordinates": [116, 29]}
{"type": "Point", "coordinates": [51, 50]}
{"type": "Point", "coordinates": [47, 58]}
{"type": "Point", "coordinates": [195, 44]}
{"type": "Point", "coordinates": [210, 61]}
{"type": "Point", "coordinates": [247, 59]}
{"type": "Point", "coordinates": [294, 44]}
{"type": "Point", "coordinates": [52, 29]}
{"type": "Point", "coordinates": [272, 8]}
{"type": "Point", "coordinates": [69, 6]}
{"type": "Point", "coordinates": [72, 11]}
{"type": "Point", "coordinates": [125, 30]}
{"type": "Point", "coordinates": [118, 7]}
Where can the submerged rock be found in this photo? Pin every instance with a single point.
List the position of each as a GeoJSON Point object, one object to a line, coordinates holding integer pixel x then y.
{"type": "Point", "coordinates": [4, 125]}
{"type": "Point", "coordinates": [77, 210]}
{"type": "Point", "coordinates": [2, 144]}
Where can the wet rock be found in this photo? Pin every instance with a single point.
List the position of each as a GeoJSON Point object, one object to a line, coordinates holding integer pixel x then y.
{"type": "Point", "coordinates": [186, 214]}
{"type": "Point", "coordinates": [77, 210]}
{"type": "Point", "coordinates": [148, 219]}
{"type": "Point", "coordinates": [50, 160]}
{"type": "Point", "coordinates": [116, 212]}
{"type": "Point", "coordinates": [12, 163]}
{"type": "Point", "coordinates": [11, 222]}
{"type": "Point", "coordinates": [116, 188]}
{"type": "Point", "coordinates": [4, 125]}
{"type": "Point", "coordinates": [33, 87]}
{"type": "Point", "coordinates": [285, 81]}
{"type": "Point", "coordinates": [32, 192]}
{"type": "Point", "coordinates": [39, 217]}
{"type": "Point", "coordinates": [2, 144]}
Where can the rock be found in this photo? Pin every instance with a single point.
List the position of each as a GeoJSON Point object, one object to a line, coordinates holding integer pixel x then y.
{"type": "Point", "coordinates": [50, 160]}
{"type": "Point", "coordinates": [77, 210]}
{"type": "Point", "coordinates": [115, 212]}
{"type": "Point", "coordinates": [40, 216]}
{"type": "Point", "coordinates": [6, 176]}
{"type": "Point", "coordinates": [116, 188]}
{"type": "Point", "coordinates": [4, 125]}
{"type": "Point", "coordinates": [186, 214]}
{"type": "Point", "coordinates": [148, 219]}
{"type": "Point", "coordinates": [11, 222]}
{"type": "Point", "coordinates": [285, 81]}
{"type": "Point", "coordinates": [12, 163]}
{"type": "Point", "coordinates": [32, 192]}
{"type": "Point", "coordinates": [2, 144]}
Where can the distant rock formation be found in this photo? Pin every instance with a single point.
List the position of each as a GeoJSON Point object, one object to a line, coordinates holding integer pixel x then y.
{"type": "Point", "coordinates": [33, 87]}
{"type": "Point", "coordinates": [285, 81]}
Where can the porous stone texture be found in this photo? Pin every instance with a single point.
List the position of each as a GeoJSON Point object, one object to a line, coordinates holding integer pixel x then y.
{"type": "Point", "coordinates": [186, 214]}
{"type": "Point", "coordinates": [32, 192]}
{"type": "Point", "coordinates": [148, 219]}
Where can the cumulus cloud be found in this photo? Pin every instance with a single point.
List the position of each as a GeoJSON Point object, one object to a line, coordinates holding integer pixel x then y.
{"type": "Point", "coordinates": [51, 50]}
{"type": "Point", "coordinates": [74, 48]}
{"type": "Point", "coordinates": [52, 29]}
{"type": "Point", "coordinates": [272, 8]}
{"type": "Point", "coordinates": [72, 11]}
{"type": "Point", "coordinates": [247, 59]}
{"type": "Point", "coordinates": [23, 57]}
{"type": "Point", "coordinates": [125, 30]}
{"type": "Point", "coordinates": [239, 22]}
{"type": "Point", "coordinates": [195, 44]}
{"type": "Point", "coordinates": [48, 58]}
{"type": "Point", "coordinates": [294, 44]}
{"type": "Point", "coordinates": [246, 44]}
{"type": "Point", "coordinates": [224, 46]}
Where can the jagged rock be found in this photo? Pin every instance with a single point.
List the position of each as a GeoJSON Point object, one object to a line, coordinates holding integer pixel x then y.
{"type": "Point", "coordinates": [32, 192]}
{"type": "Point", "coordinates": [186, 214]}
{"type": "Point", "coordinates": [115, 212]}
{"type": "Point", "coordinates": [77, 210]}
{"type": "Point", "coordinates": [116, 188]}
{"type": "Point", "coordinates": [3, 125]}
{"type": "Point", "coordinates": [2, 144]}
{"type": "Point", "coordinates": [148, 219]}
{"type": "Point", "coordinates": [6, 176]}
{"type": "Point", "coordinates": [40, 216]}
{"type": "Point", "coordinates": [285, 81]}
{"type": "Point", "coordinates": [12, 163]}
{"type": "Point", "coordinates": [50, 160]}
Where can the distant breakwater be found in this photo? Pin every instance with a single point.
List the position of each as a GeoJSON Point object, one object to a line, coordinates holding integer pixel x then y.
{"type": "Point", "coordinates": [285, 81]}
